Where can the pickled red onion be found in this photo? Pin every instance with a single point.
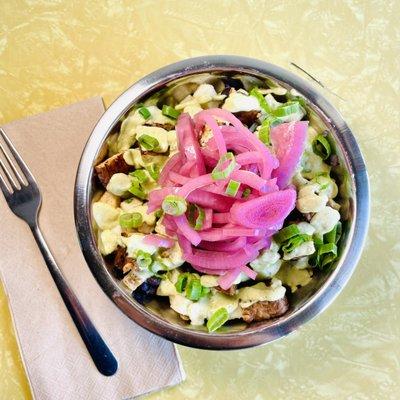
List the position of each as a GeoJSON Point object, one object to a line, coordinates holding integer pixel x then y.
{"type": "Point", "coordinates": [234, 229]}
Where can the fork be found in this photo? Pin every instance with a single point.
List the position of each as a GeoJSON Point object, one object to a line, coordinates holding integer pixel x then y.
{"type": "Point", "coordinates": [24, 199]}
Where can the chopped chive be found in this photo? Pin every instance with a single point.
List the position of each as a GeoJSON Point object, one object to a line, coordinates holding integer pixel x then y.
{"type": "Point", "coordinates": [140, 174]}
{"type": "Point", "coordinates": [137, 190]}
{"type": "Point", "coordinates": [154, 171]}
{"type": "Point", "coordinates": [174, 205]}
{"type": "Point", "coordinates": [263, 103]}
{"type": "Point", "coordinates": [286, 233]}
{"type": "Point", "coordinates": [143, 259]}
{"type": "Point", "coordinates": [232, 188]}
{"type": "Point", "coordinates": [131, 220]}
{"type": "Point", "coordinates": [194, 289]}
{"type": "Point", "coordinates": [289, 108]}
{"type": "Point", "coordinates": [196, 216]}
{"type": "Point", "coordinates": [181, 283]}
{"type": "Point", "coordinates": [221, 170]}
{"type": "Point", "coordinates": [295, 242]}
{"type": "Point", "coordinates": [148, 142]}
{"type": "Point", "coordinates": [169, 111]}
{"type": "Point", "coordinates": [217, 319]}
{"type": "Point", "coordinates": [145, 113]}
{"type": "Point", "coordinates": [321, 147]}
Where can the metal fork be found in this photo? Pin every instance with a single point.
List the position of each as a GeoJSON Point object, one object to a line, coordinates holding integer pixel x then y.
{"type": "Point", "coordinates": [24, 199]}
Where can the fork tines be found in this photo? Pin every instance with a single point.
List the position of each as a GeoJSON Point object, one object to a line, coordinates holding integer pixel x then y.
{"type": "Point", "coordinates": [11, 177]}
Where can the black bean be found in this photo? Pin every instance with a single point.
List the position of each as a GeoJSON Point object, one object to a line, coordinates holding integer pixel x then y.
{"type": "Point", "coordinates": [140, 296]}
{"type": "Point", "coordinates": [233, 83]}
{"type": "Point", "coordinates": [153, 281]}
{"type": "Point", "coordinates": [118, 273]}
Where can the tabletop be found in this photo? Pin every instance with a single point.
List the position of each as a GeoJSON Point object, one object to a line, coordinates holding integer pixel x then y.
{"type": "Point", "coordinates": [54, 52]}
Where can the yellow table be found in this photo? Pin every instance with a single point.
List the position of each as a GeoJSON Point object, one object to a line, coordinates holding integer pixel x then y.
{"type": "Point", "coordinates": [53, 53]}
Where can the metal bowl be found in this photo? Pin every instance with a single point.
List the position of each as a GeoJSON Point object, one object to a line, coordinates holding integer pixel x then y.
{"type": "Point", "coordinates": [305, 303]}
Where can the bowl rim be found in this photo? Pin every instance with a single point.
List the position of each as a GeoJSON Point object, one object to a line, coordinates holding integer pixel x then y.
{"type": "Point", "coordinates": [280, 327]}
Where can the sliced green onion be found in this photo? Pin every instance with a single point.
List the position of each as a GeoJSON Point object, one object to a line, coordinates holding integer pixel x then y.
{"type": "Point", "coordinates": [181, 283]}
{"type": "Point", "coordinates": [301, 100]}
{"type": "Point", "coordinates": [137, 190]}
{"type": "Point", "coordinates": [148, 142]}
{"type": "Point", "coordinates": [334, 235]}
{"type": "Point", "coordinates": [338, 232]}
{"type": "Point", "coordinates": [326, 254]}
{"type": "Point", "coordinates": [295, 241]}
{"type": "Point", "coordinates": [154, 171]}
{"type": "Point", "coordinates": [289, 108]}
{"type": "Point", "coordinates": [263, 103]}
{"type": "Point", "coordinates": [169, 111]}
{"type": "Point", "coordinates": [140, 174]}
{"type": "Point", "coordinates": [143, 259]}
{"type": "Point", "coordinates": [318, 241]}
{"type": "Point", "coordinates": [205, 291]}
{"type": "Point", "coordinates": [221, 170]}
{"type": "Point", "coordinates": [174, 205]}
{"type": "Point", "coordinates": [194, 289]}
{"type": "Point", "coordinates": [159, 213]}
{"type": "Point", "coordinates": [232, 188]}
{"type": "Point", "coordinates": [131, 220]}
{"type": "Point", "coordinates": [196, 216]}
{"type": "Point", "coordinates": [321, 147]}
{"type": "Point", "coordinates": [330, 237]}
{"type": "Point", "coordinates": [263, 133]}
{"type": "Point", "coordinates": [286, 233]}
{"type": "Point", "coordinates": [217, 319]}
{"type": "Point", "coordinates": [145, 113]}
{"type": "Point", "coordinates": [246, 193]}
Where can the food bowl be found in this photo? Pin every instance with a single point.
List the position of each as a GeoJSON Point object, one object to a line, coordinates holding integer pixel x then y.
{"type": "Point", "coordinates": [305, 303]}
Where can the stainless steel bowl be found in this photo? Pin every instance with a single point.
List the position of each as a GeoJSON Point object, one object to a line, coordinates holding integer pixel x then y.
{"type": "Point", "coordinates": [307, 302]}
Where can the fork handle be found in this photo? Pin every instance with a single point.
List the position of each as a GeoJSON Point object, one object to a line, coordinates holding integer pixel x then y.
{"type": "Point", "coordinates": [99, 351]}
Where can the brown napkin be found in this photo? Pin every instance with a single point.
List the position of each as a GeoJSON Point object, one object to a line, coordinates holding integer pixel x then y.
{"type": "Point", "coordinates": [55, 358]}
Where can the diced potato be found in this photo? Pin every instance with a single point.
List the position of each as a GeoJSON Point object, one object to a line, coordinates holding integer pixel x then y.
{"type": "Point", "coordinates": [306, 228]}
{"type": "Point", "coordinates": [119, 184]}
{"type": "Point", "coordinates": [138, 160]}
{"type": "Point", "coordinates": [313, 165]}
{"type": "Point", "coordinates": [219, 300]}
{"type": "Point", "coordinates": [106, 216]}
{"type": "Point", "coordinates": [157, 133]}
{"type": "Point", "coordinates": [204, 93]}
{"type": "Point", "coordinates": [172, 140]}
{"type": "Point", "coordinates": [130, 204]}
{"type": "Point", "coordinates": [135, 242]}
{"type": "Point", "coordinates": [237, 101]}
{"type": "Point", "coordinates": [166, 288]}
{"type": "Point", "coordinates": [109, 240]}
{"type": "Point", "coordinates": [110, 199]}
{"type": "Point", "coordinates": [325, 220]}
{"type": "Point", "coordinates": [173, 257]}
{"type": "Point", "coordinates": [327, 186]}
{"type": "Point", "coordinates": [209, 280]}
{"type": "Point", "coordinates": [308, 201]}
{"type": "Point", "coordinates": [198, 311]}
{"type": "Point", "coordinates": [267, 264]}
{"type": "Point", "coordinates": [180, 304]}
{"type": "Point", "coordinates": [261, 292]}
{"type": "Point", "coordinates": [294, 277]}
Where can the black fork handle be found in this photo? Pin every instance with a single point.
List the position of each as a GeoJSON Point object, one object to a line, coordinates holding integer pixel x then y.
{"type": "Point", "coordinates": [99, 351]}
